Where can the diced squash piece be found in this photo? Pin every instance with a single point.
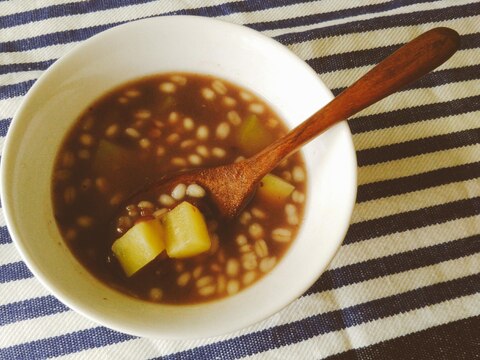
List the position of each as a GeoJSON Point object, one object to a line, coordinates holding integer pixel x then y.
{"type": "Point", "coordinates": [274, 188]}
{"type": "Point", "coordinates": [253, 136]}
{"type": "Point", "coordinates": [110, 158]}
{"type": "Point", "coordinates": [186, 231]}
{"type": "Point", "coordinates": [139, 245]}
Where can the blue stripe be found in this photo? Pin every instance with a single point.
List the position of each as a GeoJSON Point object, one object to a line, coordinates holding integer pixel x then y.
{"type": "Point", "coordinates": [410, 183]}
{"type": "Point", "coordinates": [438, 78]}
{"type": "Point", "coordinates": [56, 38]}
{"type": "Point", "coordinates": [410, 148]}
{"type": "Point", "coordinates": [14, 90]}
{"type": "Point", "coordinates": [411, 220]}
{"type": "Point", "coordinates": [383, 22]}
{"type": "Point", "coordinates": [30, 66]}
{"type": "Point", "coordinates": [264, 340]}
{"type": "Point", "coordinates": [30, 309]}
{"type": "Point", "coordinates": [14, 271]}
{"type": "Point", "coordinates": [415, 114]}
{"type": "Point", "coordinates": [64, 344]}
{"type": "Point", "coordinates": [394, 264]}
{"type": "Point", "coordinates": [4, 234]}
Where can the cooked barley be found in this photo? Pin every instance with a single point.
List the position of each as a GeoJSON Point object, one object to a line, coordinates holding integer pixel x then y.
{"type": "Point", "coordinates": [133, 133]}
{"type": "Point", "coordinates": [166, 200]}
{"type": "Point", "coordinates": [229, 101]}
{"type": "Point", "coordinates": [202, 150]}
{"type": "Point", "coordinates": [223, 130]}
{"type": "Point", "coordinates": [156, 294]}
{"type": "Point", "coordinates": [232, 287]}
{"type": "Point", "coordinates": [267, 264]}
{"type": "Point", "coordinates": [85, 221]}
{"type": "Point", "coordinates": [232, 268]}
{"type": "Point", "coordinates": [188, 123]}
{"type": "Point", "coordinates": [234, 118]}
{"type": "Point", "coordinates": [168, 87]}
{"type": "Point", "coordinates": [218, 152]}
{"type": "Point", "coordinates": [208, 94]}
{"type": "Point", "coordinates": [178, 192]}
{"type": "Point", "coordinates": [144, 143]}
{"type": "Point", "coordinates": [261, 248]}
{"type": "Point", "coordinates": [298, 174]}
{"type": "Point", "coordinates": [281, 235]}
{"type": "Point", "coordinates": [202, 132]}
{"type": "Point", "coordinates": [219, 87]}
{"type": "Point", "coordinates": [195, 190]}
{"type": "Point", "coordinates": [194, 159]}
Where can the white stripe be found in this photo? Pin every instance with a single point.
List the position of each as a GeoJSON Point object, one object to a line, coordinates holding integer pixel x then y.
{"type": "Point", "coordinates": [345, 77]}
{"type": "Point", "coordinates": [16, 6]}
{"type": "Point", "coordinates": [8, 107]}
{"type": "Point", "coordinates": [8, 255]}
{"type": "Point", "coordinates": [46, 53]}
{"type": "Point", "coordinates": [397, 204]}
{"type": "Point", "coordinates": [308, 306]}
{"type": "Point", "coordinates": [43, 328]}
{"type": "Point", "coordinates": [414, 131]}
{"type": "Point", "coordinates": [103, 17]}
{"type": "Point", "coordinates": [373, 39]}
{"type": "Point", "coordinates": [377, 331]}
{"type": "Point", "coordinates": [16, 291]}
{"type": "Point", "coordinates": [18, 77]}
{"type": "Point", "coordinates": [400, 11]}
{"type": "Point", "coordinates": [2, 218]}
{"type": "Point", "coordinates": [292, 11]}
{"type": "Point", "coordinates": [409, 240]}
{"type": "Point", "coordinates": [2, 142]}
{"type": "Point", "coordinates": [418, 97]}
{"type": "Point", "coordinates": [418, 164]}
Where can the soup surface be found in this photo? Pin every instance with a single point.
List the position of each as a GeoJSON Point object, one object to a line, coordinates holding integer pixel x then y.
{"type": "Point", "coordinates": [164, 124]}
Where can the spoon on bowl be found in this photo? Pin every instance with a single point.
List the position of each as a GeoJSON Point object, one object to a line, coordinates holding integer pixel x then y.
{"type": "Point", "coordinates": [230, 187]}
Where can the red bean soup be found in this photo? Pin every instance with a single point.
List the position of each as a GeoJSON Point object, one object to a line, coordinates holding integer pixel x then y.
{"type": "Point", "coordinates": [171, 246]}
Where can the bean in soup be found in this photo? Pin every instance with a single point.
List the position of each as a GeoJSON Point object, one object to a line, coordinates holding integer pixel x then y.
{"type": "Point", "coordinates": [164, 124]}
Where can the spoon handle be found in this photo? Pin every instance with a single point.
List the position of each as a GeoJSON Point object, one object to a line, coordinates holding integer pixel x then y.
{"type": "Point", "coordinates": [409, 63]}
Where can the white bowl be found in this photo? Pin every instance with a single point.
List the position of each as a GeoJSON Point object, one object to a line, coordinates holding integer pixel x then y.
{"type": "Point", "coordinates": [190, 44]}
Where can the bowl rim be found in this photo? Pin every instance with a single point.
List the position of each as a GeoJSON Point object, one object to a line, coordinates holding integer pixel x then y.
{"type": "Point", "coordinates": [16, 129]}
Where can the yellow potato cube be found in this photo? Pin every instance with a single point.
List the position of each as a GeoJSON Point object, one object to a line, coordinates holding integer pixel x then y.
{"type": "Point", "coordinates": [274, 188]}
{"type": "Point", "coordinates": [139, 245]}
{"type": "Point", "coordinates": [186, 231]}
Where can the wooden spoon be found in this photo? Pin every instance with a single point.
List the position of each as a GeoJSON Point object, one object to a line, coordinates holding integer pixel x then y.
{"type": "Point", "coordinates": [231, 186]}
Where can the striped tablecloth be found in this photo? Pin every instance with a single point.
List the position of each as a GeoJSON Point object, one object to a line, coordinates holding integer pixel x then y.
{"type": "Point", "coordinates": [405, 283]}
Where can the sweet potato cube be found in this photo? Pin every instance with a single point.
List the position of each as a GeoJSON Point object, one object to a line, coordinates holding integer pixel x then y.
{"type": "Point", "coordinates": [253, 136]}
{"type": "Point", "coordinates": [186, 231]}
{"type": "Point", "coordinates": [274, 188]}
{"type": "Point", "coordinates": [139, 245]}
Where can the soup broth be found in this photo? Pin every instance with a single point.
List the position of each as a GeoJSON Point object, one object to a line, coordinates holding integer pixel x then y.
{"type": "Point", "coordinates": [159, 125]}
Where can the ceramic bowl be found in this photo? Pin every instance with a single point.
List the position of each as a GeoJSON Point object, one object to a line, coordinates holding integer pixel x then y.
{"type": "Point", "coordinates": [157, 45]}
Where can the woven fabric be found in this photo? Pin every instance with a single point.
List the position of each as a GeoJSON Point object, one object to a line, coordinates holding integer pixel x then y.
{"type": "Point", "coordinates": [405, 283]}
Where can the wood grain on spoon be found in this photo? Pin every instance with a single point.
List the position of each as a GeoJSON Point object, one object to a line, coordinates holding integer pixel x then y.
{"type": "Point", "coordinates": [231, 186]}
